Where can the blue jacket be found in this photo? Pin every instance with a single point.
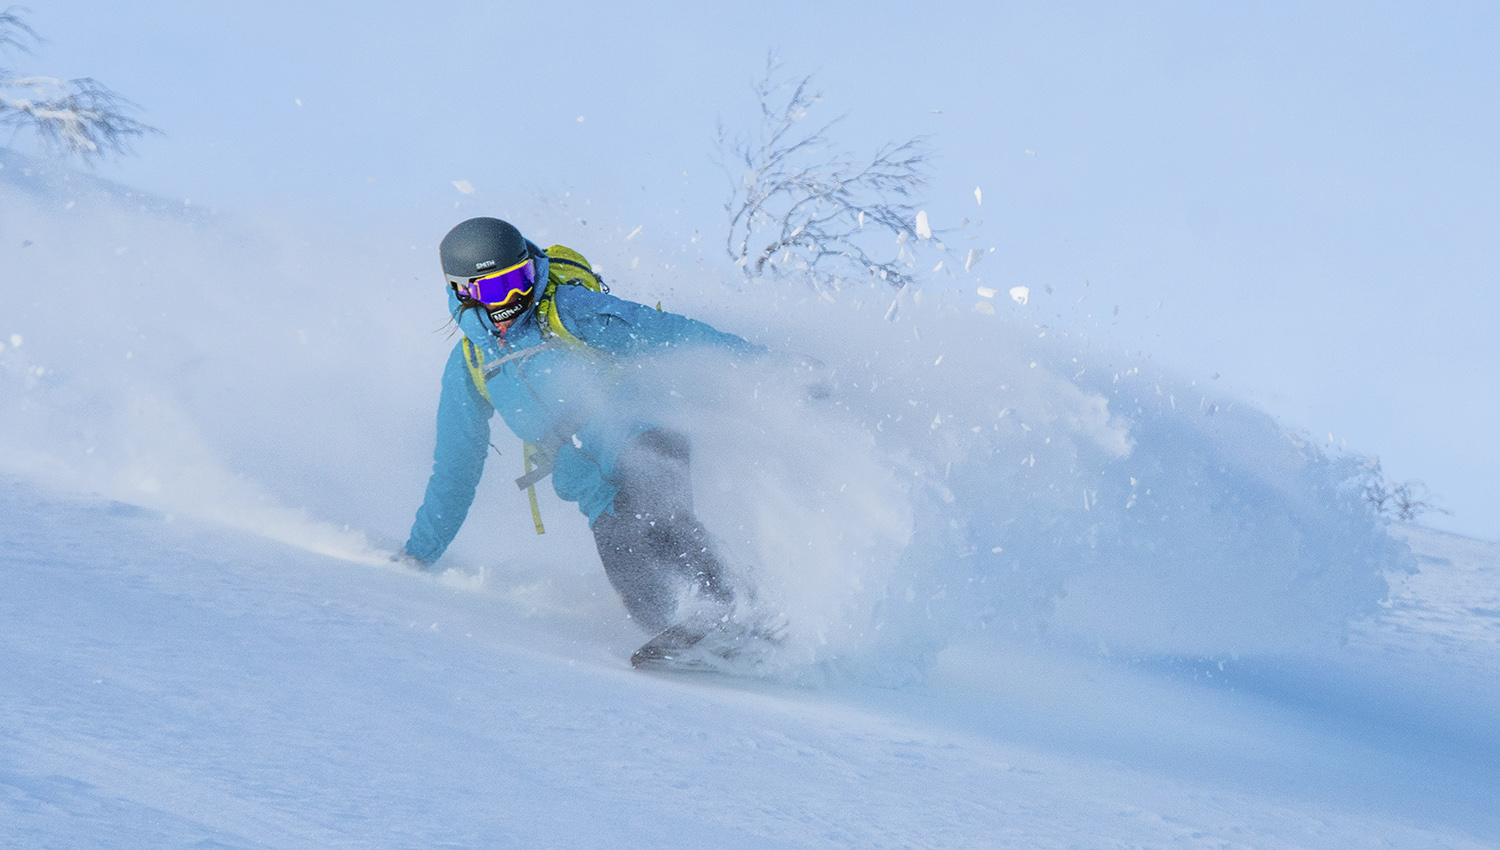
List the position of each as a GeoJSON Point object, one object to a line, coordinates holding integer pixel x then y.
{"type": "Point", "coordinates": [560, 396]}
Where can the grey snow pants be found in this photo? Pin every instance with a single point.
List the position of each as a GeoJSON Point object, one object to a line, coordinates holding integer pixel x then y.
{"type": "Point", "coordinates": [656, 553]}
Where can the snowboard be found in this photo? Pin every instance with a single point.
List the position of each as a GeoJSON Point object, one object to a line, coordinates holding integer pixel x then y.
{"type": "Point", "coordinates": [712, 646]}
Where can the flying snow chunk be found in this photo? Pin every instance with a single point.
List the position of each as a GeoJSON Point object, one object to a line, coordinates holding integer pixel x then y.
{"type": "Point", "coordinates": [986, 292]}
{"type": "Point", "coordinates": [1020, 294]}
{"type": "Point", "coordinates": [580, 119]}
{"type": "Point", "coordinates": [16, 340]}
{"type": "Point", "coordinates": [924, 230]}
{"type": "Point", "coordinates": [464, 186]}
{"type": "Point", "coordinates": [890, 313]}
{"type": "Point", "coordinates": [978, 196]}
{"type": "Point", "coordinates": [984, 307]}
{"type": "Point", "coordinates": [634, 233]}
{"type": "Point", "coordinates": [975, 255]}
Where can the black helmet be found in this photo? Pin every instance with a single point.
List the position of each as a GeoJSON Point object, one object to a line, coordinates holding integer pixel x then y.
{"type": "Point", "coordinates": [480, 247]}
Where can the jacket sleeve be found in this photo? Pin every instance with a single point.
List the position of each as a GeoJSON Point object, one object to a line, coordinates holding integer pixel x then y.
{"type": "Point", "coordinates": [463, 439]}
{"type": "Point", "coordinates": [614, 324]}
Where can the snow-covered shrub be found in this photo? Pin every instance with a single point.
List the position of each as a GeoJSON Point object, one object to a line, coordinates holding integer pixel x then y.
{"type": "Point", "coordinates": [82, 117]}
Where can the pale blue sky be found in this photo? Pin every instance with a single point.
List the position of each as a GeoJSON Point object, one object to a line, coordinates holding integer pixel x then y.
{"type": "Point", "coordinates": [1302, 198]}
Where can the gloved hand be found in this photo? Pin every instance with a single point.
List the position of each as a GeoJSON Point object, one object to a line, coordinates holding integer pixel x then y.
{"type": "Point", "coordinates": [406, 559]}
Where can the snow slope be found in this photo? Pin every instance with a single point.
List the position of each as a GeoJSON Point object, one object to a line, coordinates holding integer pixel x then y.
{"type": "Point", "coordinates": [171, 683]}
{"type": "Point", "coordinates": [1038, 592]}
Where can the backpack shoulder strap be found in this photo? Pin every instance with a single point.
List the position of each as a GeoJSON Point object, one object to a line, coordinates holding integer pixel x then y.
{"type": "Point", "coordinates": [474, 359]}
{"type": "Point", "coordinates": [551, 323]}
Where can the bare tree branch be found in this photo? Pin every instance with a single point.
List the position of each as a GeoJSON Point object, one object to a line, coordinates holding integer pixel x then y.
{"type": "Point", "coordinates": [797, 207]}
{"type": "Point", "coordinates": [1406, 500]}
{"type": "Point", "coordinates": [15, 32]}
{"type": "Point", "coordinates": [1412, 500]}
{"type": "Point", "coordinates": [82, 117]}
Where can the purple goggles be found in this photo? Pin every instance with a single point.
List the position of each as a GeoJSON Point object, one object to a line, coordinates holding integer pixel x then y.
{"type": "Point", "coordinates": [503, 288]}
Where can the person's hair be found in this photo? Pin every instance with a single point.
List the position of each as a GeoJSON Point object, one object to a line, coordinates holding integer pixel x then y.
{"type": "Point", "coordinates": [465, 304]}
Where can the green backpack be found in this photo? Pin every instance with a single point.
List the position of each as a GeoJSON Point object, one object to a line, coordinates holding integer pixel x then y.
{"type": "Point", "coordinates": [566, 267]}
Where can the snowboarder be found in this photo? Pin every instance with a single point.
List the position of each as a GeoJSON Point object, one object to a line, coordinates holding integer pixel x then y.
{"type": "Point", "coordinates": [541, 338]}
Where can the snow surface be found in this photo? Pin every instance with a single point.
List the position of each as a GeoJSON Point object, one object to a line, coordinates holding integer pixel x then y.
{"type": "Point", "coordinates": [172, 683]}
{"type": "Point", "coordinates": [1038, 592]}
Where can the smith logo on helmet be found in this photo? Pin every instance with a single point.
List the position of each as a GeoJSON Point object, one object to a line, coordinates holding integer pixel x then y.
{"type": "Point", "coordinates": [487, 264]}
